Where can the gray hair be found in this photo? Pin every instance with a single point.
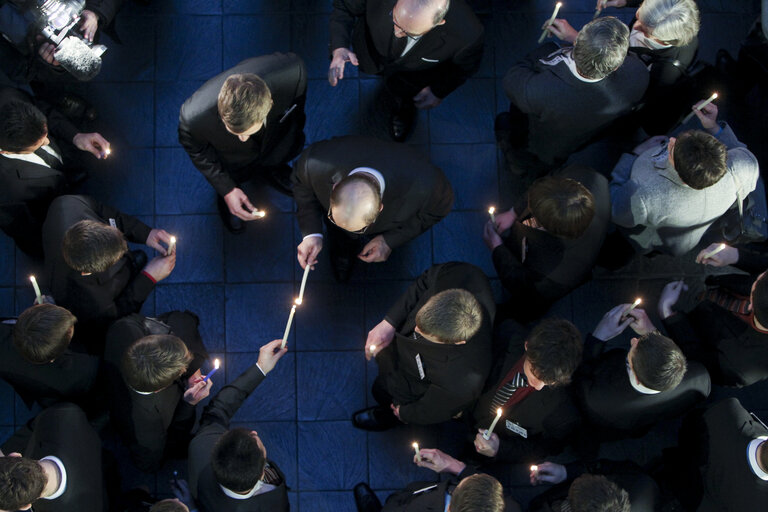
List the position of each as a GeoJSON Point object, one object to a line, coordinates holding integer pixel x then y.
{"type": "Point", "coordinates": [442, 8]}
{"type": "Point", "coordinates": [601, 47]}
{"type": "Point", "coordinates": [675, 22]}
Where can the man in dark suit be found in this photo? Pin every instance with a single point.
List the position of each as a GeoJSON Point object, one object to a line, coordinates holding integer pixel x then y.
{"type": "Point", "coordinates": [433, 349]}
{"type": "Point", "coordinates": [229, 469]}
{"type": "Point", "coordinates": [61, 467]}
{"type": "Point", "coordinates": [365, 186]}
{"type": "Point", "coordinates": [625, 393]}
{"type": "Point", "coordinates": [88, 266]}
{"type": "Point", "coordinates": [425, 49]}
{"type": "Point", "coordinates": [37, 161]}
{"type": "Point", "coordinates": [728, 330]}
{"type": "Point", "coordinates": [246, 121]}
{"type": "Point", "coordinates": [36, 358]}
{"type": "Point", "coordinates": [529, 385]}
{"type": "Point", "coordinates": [552, 246]}
{"type": "Point", "coordinates": [155, 382]}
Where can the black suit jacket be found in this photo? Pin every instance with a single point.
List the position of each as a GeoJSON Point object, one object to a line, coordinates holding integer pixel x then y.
{"type": "Point", "coordinates": [454, 374]}
{"type": "Point", "coordinates": [96, 299]}
{"type": "Point", "coordinates": [416, 196]}
{"type": "Point", "coordinates": [64, 432]}
{"type": "Point", "coordinates": [150, 424]}
{"type": "Point", "coordinates": [611, 404]}
{"type": "Point", "coordinates": [715, 443]}
{"type": "Point", "coordinates": [69, 378]}
{"type": "Point", "coordinates": [553, 265]}
{"type": "Point", "coordinates": [213, 424]}
{"type": "Point", "coordinates": [450, 52]}
{"type": "Point", "coordinates": [219, 155]}
{"type": "Point", "coordinates": [734, 353]}
{"type": "Point", "coordinates": [549, 416]}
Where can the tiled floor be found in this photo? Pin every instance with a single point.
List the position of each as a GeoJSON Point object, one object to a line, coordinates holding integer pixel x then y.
{"type": "Point", "coordinates": [241, 286]}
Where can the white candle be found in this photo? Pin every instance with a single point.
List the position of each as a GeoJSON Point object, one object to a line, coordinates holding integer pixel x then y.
{"type": "Point", "coordinates": [38, 295]}
{"type": "Point", "coordinates": [535, 470]}
{"type": "Point", "coordinates": [303, 284]}
{"type": "Point", "coordinates": [418, 452]}
{"type": "Point", "coordinates": [107, 152]}
{"type": "Point", "coordinates": [372, 349]}
{"type": "Point", "coordinates": [258, 213]}
{"type": "Point", "coordinates": [634, 305]}
{"type": "Point", "coordinates": [215, 369]}
{"type": "Point", "coordinates": [172, 246]}
{"type": "Point", "coordinates": [715, 251]}
{"type": "Point", "coordinates": [544, 33]}
{"type": "Point", "coordinates": [599, 9]}
{"type": "Point", "coordinates": [492, 213]}
{"type": "Point", "coordinates": [487, 433]}
{"type": "Point", "coordinates": [288, 326]}
{"type": "Point", "coordinates": [698, 109]}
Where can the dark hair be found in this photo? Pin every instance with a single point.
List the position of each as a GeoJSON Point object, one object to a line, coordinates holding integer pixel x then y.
{"type": "Point", "coordinates": [450, 316]}
{"type": "Point", "coordinates": [760, 301]}
{"type": "Point", "coordinates": [554, 351]}
{"type": "Point", "coordinates": [91, 246]}
{"type": "Point", "coordinates": [360, 184]}
{"type": "Point", "coordinates": [244, 101]}
{"type": "Point", "coordinates": [42, 332]}
{"type": "Point", "coordinates": [237, 460]}
{"type": "Point", "coordinates": [595, 493]}
{"type": "Point", "coordinates": [153, 362]}
{"type": "Point", "coordinates": [168, 505]}
{"type": "Point", "coordinates": [562, 206]}
{"type": "Point", "coordinates": [658, 363]}
{"type": "Point", "coordinates": [22, 481]}
{"type": "Point", "coordinates": [22, 125]}
{"type": "Point", "coordinates": [478, 493]}
{"type": "Point", "coordinates": [699, 159]}
{"type": "Point", "coordinates": [600, 47]}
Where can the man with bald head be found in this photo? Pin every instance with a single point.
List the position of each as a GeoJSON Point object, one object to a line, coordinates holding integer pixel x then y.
{"type": "Point", "coordinates": [374, 196]}
{"type": "Point", "coordinates": [424, 48]}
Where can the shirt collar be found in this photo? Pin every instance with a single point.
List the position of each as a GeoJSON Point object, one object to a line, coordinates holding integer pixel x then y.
{"type": "Point", "coordinates": [373, 172]}
{"type": "Point", "coordinates": [63, 485]}
{"type": "Point", "coordinates": [635, 383]}
{"type": "Point", "coordinates": [752, 457]}
{"type": "Point", "coordinates": [637, 38]}
{"type": "Point", "coordinates": [565, 55]}
{"type": "Point", "coordinates": [249, 494]}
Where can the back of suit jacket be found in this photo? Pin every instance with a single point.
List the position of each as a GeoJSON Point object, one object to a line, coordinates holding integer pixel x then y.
{"type": "Point", "coordinates": [417, 194]}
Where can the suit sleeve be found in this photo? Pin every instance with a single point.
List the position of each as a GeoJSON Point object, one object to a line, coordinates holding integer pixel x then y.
{"type": "Point", "coordinates": [464, 64]}
{"type": "Point", "coordinates": [147, 452]}
{"type": "Point", "coordinates": [627, 207]}
{"type": "Point", "coordinates": [519, 279]}
{"type": "Point", "coordinates": [517, 84]}
{"type": "Point", "coordinates": [679, 328]}
{"type": "Point", "coordinates": [133, 229]}
{"type": "Point", "coordinates": [105, 9]}
{"type": "Point", "coordinates": [342, 22]}
{"type": "Point", "coordinates": [752, 261]}
{"type": "Point", "coordinates": [439, 404]}
{"type": "Point", "coordinates": [227, 401]}
{"type": "Point", "coordinates": [309, 210]}
{"type": "Point", "coordinates": [407, 302]}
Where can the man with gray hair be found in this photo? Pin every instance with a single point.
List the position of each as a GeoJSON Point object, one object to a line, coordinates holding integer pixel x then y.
{"type": "Point", "coordinates": [565, 97]}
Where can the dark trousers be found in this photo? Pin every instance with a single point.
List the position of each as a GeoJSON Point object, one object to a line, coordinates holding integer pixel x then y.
{"type": "Point", "coordinates": [386, 362]}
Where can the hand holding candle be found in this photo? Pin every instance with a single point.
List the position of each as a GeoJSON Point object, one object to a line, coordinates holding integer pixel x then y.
{"type": "Point", "coordinates": [699, 107]}
{"type": "Point", "coordinates": [492, 213]}
{"type": "Point", "coordinates": [171, 246]}
{"type": "Point", "coordinates": [600, 7]}
{"type": "Point", "coordinates": [637, 302]}
{"type": "Point", "coordinates": [303, 284]}
{"type": "Point", "coordinates": [715, 251]}
{"type": "Point", "coordinates": [38, 295]}
{"type": "Point", "coordinates": [216, 365]}
{"type": "Point", "coordinates": [418, 453]}
{"type": "Point", "coordinates": [288, 325]}
{"type": "Point", "coordinates": [487, 433]}
{"type": "Point", "coordinates": [718, 255]}
{"type": "Point", "coordinates": [258, 214]}
{"type": "Point", "coordinates": [544, 33]}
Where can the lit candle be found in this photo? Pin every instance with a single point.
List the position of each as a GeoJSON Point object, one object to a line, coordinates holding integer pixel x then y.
{"type": "Point", "coordinates": [216, 365]}
{"type": "Point", "coordinates": [487, 433]}
{"type": "Point", "coordinates": [372, 349]}
{"type": "Point", "coordinates": [715, 251]}
{"type": "Point", "coordinates": [172, 246]}
{"type": "Point", "coordinates": [303, 284]}
{"type": "Point", "coordinates": [544, 33]}
{"type": "Point", "coordinates": [107, 152]}
{"type": "Point", "coordinates": [288, 325]}
{"type": "Point", "coordinates": [259, 214]}
{"type": "Point", "coordinates": [492, 213]}
{"type": "Point", "coordinates": [535, 470]}
{"type": "Point", "coordinates": [633, 306]}
{"type": "Point", "coordinates": [418, 452]}
{"type": "Point", "coordinates": [599, 9]}
{"type": "Point", "coordinates": [698, 109]}
{"type": "Point", "coordinates": [38, 295]}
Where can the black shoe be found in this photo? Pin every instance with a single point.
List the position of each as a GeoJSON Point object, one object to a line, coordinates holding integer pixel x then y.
{"type": "Point", "coordinates": [280, 179]}
{"type": "Point", "coordinates": [233, 224]}
{"type": "Point", "coordinates": [365, 499]}
{"type": "Point", "coordinates": [401, 121]}
{"type": "Point", "coordinates": [76, 108]}
{"type": "Point", "coordinates": [374, 419]}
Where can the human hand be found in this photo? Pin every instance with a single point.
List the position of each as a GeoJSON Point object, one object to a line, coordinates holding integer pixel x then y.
{"type": "Point", "coordinates": [613, 323]}
{"type": "Point", "coordinates": [395, 411]}
{"type": "Point", "coordinates": [505, 220]}
{"type": "Point", "coordinates": [563, 30]}
{"type": "Point", "coordinates": [610, 3]}
{"type": "Point", "coordinates": [180, 489]}
{"type": "Point", "coordinates": [669, 297]}
{"type": "Point", "coordinates": [548, 473]}
{"type": "Point", "coordinates": [270, 354]}
{"type": "Point", "coordinates": [308, 250]}
{"type": "Point", "coordinates": [426, 99]}
{"type": "Point", "coordinates": [380, 337]}
{"type": "Point", "coordinates": [89, 23]}
{"type": "Point", "coordinates": [489, 447]}
{"type": "Point", "coordinates": [728, 256]}
{"type": "Point", "coordinates": [654, 142]}
{"type": "Point", "coordinates": [93, 143]}
{"type": "Point", "coordinates": [197, 388]}
{"type": "Point", "coordinates": [46, 52]}
{"type": "Point", "coordinates": [707, 116]}
{"type": "Point", "coordinates": [239, 205]}
{"type": "Point", "coordinates": [161, 267]}
{"type": "Point", "coordinates": [641, 324]}
{"type": "Point", "coordinates": [340, 57]}
{"type": "Point", "coordinates": [438, 461]}
{"type": "Point", "coordinates": [491, 237]}
{"type": "Point", "coordinates": [375, 251]}
{"type": "Point", "coordinates": [155, 237]}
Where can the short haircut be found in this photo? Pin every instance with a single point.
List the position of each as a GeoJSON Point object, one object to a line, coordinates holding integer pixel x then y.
{"type": "Point", "coordinates": [450, 316]}
{"type": "Point", "coordinates": [168, 505]}
{"type": "Point", "coordinates": [355, 186]}
{"type": "Point", "coordinates": [21, 126]}
{"type": "Point", "coordinates": [675, 22]}
{"type": "Point", "coordinates": [760, 301]}
{"type": "Point", "coordinates": [91, 246]}
{"type": "Point", "coordinates": [763, 459]}
{"type": "Point", "coordinates": [244, 101]}
{"type": "Point", "coordinates": [658, 363]}
{"type": "Point", "coordinates": [22, 481]}
{"type": "Point", "coordinates": [595, 493]}
{"type": "Point", "coordinates": [153, 362]}
{"type": "Point", "coordinates": [237, 460]}
{"type": "Point", "coordinates": [554, 351]}
{"type": "Point", "coordinates": [699, 159]}
{"type": "Point", "coordinates": [562, 206]}
{"type": "Point", "coordinates": [478, 493]}
{"type": "Point", "coordinates": [600, 47]}
{"type": "Point", "coordinates": [43, 332]}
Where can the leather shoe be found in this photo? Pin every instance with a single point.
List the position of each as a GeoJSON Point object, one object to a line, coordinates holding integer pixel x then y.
{"type": "Point", "coordinates": [374, 419]}
{"type": "Point", "coordinates": [280, 180]}
{"type": "Point", "coordinates": [401, 121]}
{"type": "Point", "coordinates": [234, 225]}
{"type": "Point", "coordinates": [365, 499]}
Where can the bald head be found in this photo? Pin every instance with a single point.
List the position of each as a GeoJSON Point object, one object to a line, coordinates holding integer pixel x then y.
{"type": "Point", "coordinates": [417, 17]}
{"type": "Point", "coordinates": [355, 202]}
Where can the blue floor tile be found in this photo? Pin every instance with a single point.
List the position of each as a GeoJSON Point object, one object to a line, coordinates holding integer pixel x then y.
{"type": "Point", "coordinates": [174, 172]}
{"type": "Point", "coordinates": [134, 168]}
{"type": "Point", "coordinates": [379, 298]}
{"type": "Point", "coordinates": [191, 6]}
{"type": "Point", "coordinates": [265, 251]}
{"type": "Point", "coordinates": [466, 115]}
{"type": "Point", "coordinates": [183, 55]}
{"type": "Point", "coordinates": [331, 444]}
{"type": "Point", "coordinates": [333, 111]}
{"type": "Point", "coordinates": [327, 501]}
{"type": "Point", "coordinates": [309, 38]}
{"type": "Point", "coordinates": [133, 105]}
{"type": "Point", "coordinates": [474, 166]}
{"type": "Point", "coordinates": [169, 96]}
{"type": "Point", "coordinates": [331, 384]}
{"type": "Point", "coordinates": [134, 59]}
{"type": "Point", "coordinates": [206, 301]}
{"type": "Point", "coordinates": [406, 262]}
{"type": "Point", "coordinates": [7, 302]}
{"type": "Point", "coordinates": [256, 314]}
{"type": "Point", "coordinates": [275, 398]}
{"type": "Point", "coordinates": [279, 438]}
{"type": "Point", "coordinates": [459, 237]}
{"type": "Point", "coordinates": [250, 36]}
{"type": "Point", "coordinates": [390, 456]}
{"type": "Point", "coordinates": [330, 318]}
{"type": "Point", "coordinates": [251, 7]}
{"type": "Point", "coordinates": [199, 258]}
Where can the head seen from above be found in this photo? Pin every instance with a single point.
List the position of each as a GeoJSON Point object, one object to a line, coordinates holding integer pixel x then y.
{"type": "Point", "coordinates": [244, 102]}
{"type": "Point", "coordinates": [91, 247]}
{"type": "Point", "coordinates": [552, 353]}
{"type": "Point", "coordinates": [657, 362]}
{"type": "Point", "coordinates": [238, 460]}
{"type": "Point", "coordinates": [355, 202]}
{"type": "Point", "coordinates": [451, 317]}
{"type": "Point", "coordinates": [23, 128]}
{"type": "Point", "coordinates": [601, 47]}
{"type": "Point", "coordinates": [414, 18]}
{"type": "Point", "coordinates": [673, 22]}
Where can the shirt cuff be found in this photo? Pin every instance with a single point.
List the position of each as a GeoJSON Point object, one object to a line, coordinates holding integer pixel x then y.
{"type": "Point", "coordinates": [262, 371]}
{"type": "Point", "coordinates": [149, 276]}
{"type": "Point", "coordinates": [313, 234]}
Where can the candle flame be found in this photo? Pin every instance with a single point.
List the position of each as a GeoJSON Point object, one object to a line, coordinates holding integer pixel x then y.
{"type": "Point", "coordinates": [32, 278]}
{"type": "Point", "coordinates": [298, 302]}
{"type": "Point", "coordinates": [714, 95]}
{"type": "Point", "coordinates": [108, 151]}
{"type": "Point", "coordinates": [258, 213]}
{"type": "Point", "coordinates": [559, 4]}
{"type": "Point", "coordinates": [173, 239]}
{"type": "Point", "coordinates": [637, 301]}
{"type": "Point", "coordinates": [415, 446]}
{"type": "Point", "coordinates": [372, 348]}
{"type": "Point", "coordinates": [216, 363]}
{"type": "Point", "coordinates": [534, 468]}
{"type": "Point", "coordinates": [492, 210]}
{"type": "Point", "coordinates": [498, 412]}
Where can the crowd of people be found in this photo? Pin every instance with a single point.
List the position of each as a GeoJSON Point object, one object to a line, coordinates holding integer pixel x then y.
{"type": "Point", "coordinates": [522, 385]}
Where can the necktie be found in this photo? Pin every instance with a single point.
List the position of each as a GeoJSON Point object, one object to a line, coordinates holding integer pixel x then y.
{"type": "Point", "coordinates": [50, 160]}
{"type": "Point", "coordinates": [271, 476]}
{"type": "Point", "coordinates": [396, 46]}
{"type": "Point", "coordinates": [505, 392]}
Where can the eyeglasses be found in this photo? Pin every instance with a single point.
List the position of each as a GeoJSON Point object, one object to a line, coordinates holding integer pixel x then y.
{"type": "Point", "coordinates": [414, 37]}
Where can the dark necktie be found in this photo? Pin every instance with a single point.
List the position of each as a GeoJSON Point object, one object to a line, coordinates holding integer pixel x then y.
{"type": "Point", "coordinates": [505, 392]}
{"type": "Point", "coordinates": [50, 160]}
{"type": "Point", "coordinates": [396, 46]}
{"type": "Point", "coordinates": [271, 476]}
